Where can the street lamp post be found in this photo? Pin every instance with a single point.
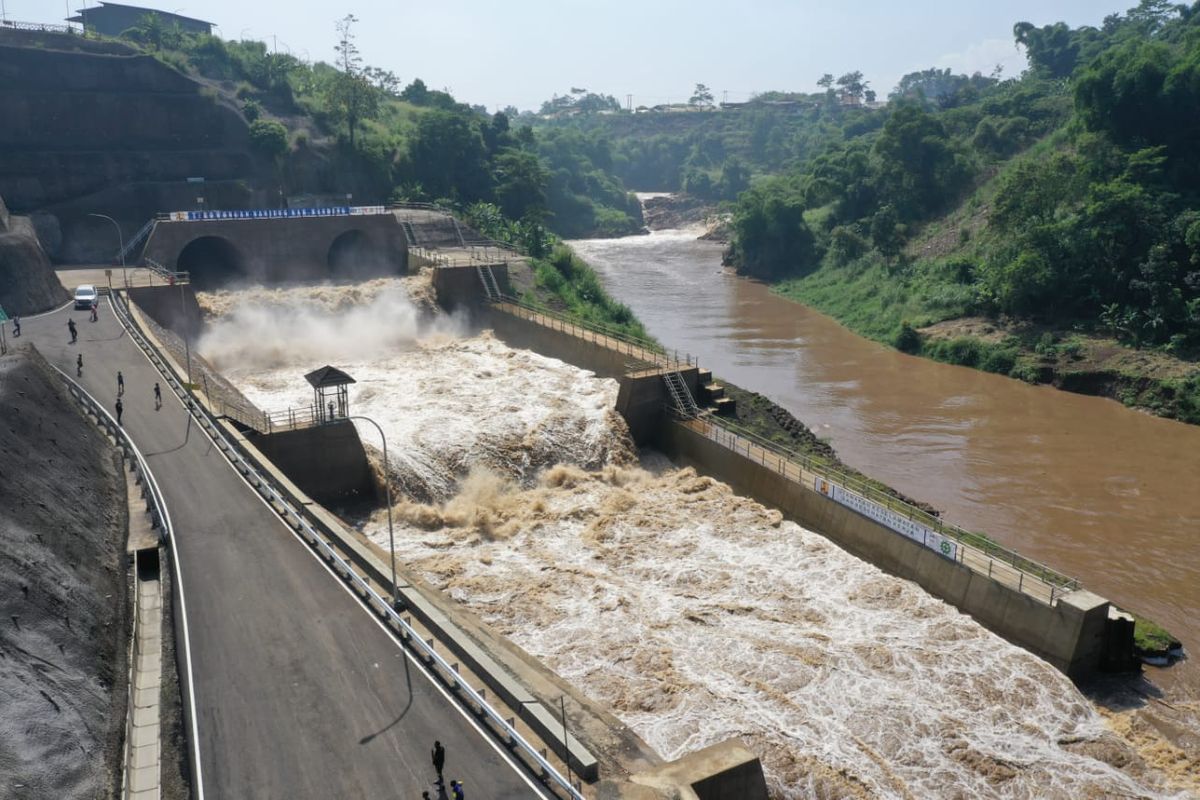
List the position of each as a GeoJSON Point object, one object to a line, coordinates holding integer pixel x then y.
{"type": "Point", "coordinates": [387, 483]}
{"type": "Point", "coordinates": [121, 239]}
{"type": "Point", "coordinates": [187, 331]}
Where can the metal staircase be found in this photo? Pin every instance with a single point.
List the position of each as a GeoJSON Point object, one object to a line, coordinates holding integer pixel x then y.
{"type": "Point", "coordinates": [409, 232]}
{"type": "Point", "coordinates": [681, 399]}
{"type": "Point", "coordinates": [137, 239]}
{"type": "Point", "coordinates": [490, 287]}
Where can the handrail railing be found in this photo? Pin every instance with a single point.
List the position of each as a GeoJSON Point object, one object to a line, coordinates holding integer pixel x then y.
{"type": "Point", "coordinates": [255, 420]}
{"type": "Point", "coordinates": [171, 277]}
{"type": "Point", "coordinates": [342, 566]}
{"type": "Point", "coordinates": [159, 520]}
{"type": "Point", "coordinates": [653, 352]}
{"type": "Point", "coordinates": [728, 434]}
{"type": "Point", "coordinates": [290, 419]}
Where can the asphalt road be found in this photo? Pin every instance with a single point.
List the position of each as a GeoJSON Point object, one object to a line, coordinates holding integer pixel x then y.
{"type": "Point", "coordinates": [299, 692]}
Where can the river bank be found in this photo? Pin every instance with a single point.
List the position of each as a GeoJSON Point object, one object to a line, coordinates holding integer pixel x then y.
{"type": "Point", "coordinates": [873, 302]}
{"type": "Point", "coordinates": [1086, 363]}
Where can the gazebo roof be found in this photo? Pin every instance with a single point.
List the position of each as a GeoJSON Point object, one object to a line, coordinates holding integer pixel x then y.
{"type": "Point", "coordinates": [328, 376]}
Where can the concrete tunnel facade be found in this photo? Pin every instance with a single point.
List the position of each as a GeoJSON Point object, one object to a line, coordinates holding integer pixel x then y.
{"type": "Point", "coordinates": [273, 251]}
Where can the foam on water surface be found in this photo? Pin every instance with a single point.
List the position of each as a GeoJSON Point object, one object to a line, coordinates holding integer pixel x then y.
{"type": "Point", "coordinates": [697, 615]}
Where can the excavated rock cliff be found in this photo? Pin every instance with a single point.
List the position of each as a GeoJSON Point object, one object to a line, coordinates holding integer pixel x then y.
{"type": "Point", "coordinates": [27, 282]}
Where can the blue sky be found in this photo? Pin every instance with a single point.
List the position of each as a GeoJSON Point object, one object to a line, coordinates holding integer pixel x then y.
{"type": "Point", "coordinates": [521, 52]}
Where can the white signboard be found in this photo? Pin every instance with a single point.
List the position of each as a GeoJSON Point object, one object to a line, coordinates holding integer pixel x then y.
{"type": "Point", "coordinates": [885, 516]}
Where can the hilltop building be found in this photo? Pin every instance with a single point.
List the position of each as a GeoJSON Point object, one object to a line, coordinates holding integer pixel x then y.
{"type": "Point", "coordinates": [113, 19]}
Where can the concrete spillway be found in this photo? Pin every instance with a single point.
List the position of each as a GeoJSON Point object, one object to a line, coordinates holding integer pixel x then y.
{"type": "Point", "coordinates": [695, 614]}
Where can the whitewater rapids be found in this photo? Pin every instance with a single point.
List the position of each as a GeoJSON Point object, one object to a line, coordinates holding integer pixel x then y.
{"type": "Point", "coordinates": [695, 614]}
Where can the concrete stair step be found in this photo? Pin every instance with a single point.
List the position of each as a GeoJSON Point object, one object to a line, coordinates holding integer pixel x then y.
{"type": "Point", "coordinates": [725, 407]}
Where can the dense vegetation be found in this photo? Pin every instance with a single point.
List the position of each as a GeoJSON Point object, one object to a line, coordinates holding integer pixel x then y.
{"type": "Point", "coordinates": [333, 128]}
{"type": "Point", "coordinates": [1096, 225]}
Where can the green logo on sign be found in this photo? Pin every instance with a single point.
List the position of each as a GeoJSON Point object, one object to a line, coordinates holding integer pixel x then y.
{"type": "Point", "coordinates": [945, 548]}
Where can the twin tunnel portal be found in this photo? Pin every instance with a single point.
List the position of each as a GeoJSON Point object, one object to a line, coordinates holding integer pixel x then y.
{"type": "Point", "coordinates": [342, 244]}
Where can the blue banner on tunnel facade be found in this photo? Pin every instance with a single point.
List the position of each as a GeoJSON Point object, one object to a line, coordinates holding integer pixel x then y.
{"type": "Point", "coordinates": [901, 524]}
{"type": "Point", "coordinates": [275, 213]}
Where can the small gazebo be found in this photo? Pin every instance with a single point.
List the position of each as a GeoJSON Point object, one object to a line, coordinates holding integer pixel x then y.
{"type": "Point", "coordinates": [330, 393]}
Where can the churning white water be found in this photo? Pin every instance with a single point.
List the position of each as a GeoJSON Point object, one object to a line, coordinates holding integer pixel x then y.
{"type": "Point", "coordinates": [695, 614]}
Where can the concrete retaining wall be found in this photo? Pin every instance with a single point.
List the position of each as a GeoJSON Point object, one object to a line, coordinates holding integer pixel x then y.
{"type": "Point", "coordinates": [327, 462]}
{"type": "Point", "coordinates": [1069, 635]}
{"type": "Point", "coordinates": [643, 394]}
{"type": "Point", "coordinates": [173, 307]}
{"type": "Point", "coordinates": [278, 250]}
{"type": "Point", "coordinates": [461, 287]}
{"type": "Point", "coordinates": [724, 771]}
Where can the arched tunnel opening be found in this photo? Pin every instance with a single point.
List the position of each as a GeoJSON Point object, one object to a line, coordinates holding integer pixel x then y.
{"type": "Point", "coordinates": [354, 254]}
{"type": "Point", "coordinates": [212, 261]}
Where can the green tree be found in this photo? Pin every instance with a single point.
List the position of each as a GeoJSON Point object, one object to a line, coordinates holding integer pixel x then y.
{"type": "Point", "coordinates": [735, 178]}
{"type": "Point", "coordinates": [268, 137]}
{"type": "Point", "coordinates": [702, 96]}
{"type": "Point", "coordinates": [920, 170]}
{"type": "Point", "coordinates": [852, 85]}
{"type": "Point", "coordinates": [447, 157]}
{"type": "Point", "coordinates": [771, 238]}
{"type": "Point", "coordinates": [521, 184]}
{"type": "Point", "coordinates": [350, 95]}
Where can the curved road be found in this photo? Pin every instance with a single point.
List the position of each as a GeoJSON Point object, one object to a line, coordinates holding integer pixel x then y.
{"type": "Point", "coordinates": [299, 691]}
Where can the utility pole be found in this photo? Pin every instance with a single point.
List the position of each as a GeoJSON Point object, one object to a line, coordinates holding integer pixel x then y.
{"type": "Point", "coordinates": [724, 97]}
{"type": "Point", "coordinates": [629, 102]}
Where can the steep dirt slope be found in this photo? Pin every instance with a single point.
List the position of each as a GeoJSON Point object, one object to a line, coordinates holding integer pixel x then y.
{"type": "Point", "coordinates": [63, 593]}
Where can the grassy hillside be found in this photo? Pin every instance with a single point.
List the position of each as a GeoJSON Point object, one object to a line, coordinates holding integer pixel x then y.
{"type": "Point", "coordinates": [1046, 227]}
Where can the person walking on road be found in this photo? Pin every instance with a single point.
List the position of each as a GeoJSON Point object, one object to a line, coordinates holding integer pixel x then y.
{"type": "Point", "coordinates": [79, 366]}
{"type": "Point", "coordinates": [95, 309]}
{"type": "Point", "coordinates": [120, 383]}
{"type": "Point", "coordinates": [71, 328]}
{"type": "Point", "coordinates": [120, 409]}
{"type": "Point", "coordinates": [16, 327]}
{"type": "Point", "coordinates": [456, 790]}
{"type": "Point", "coordinates": [439, 760]}
{"type": "Point", "coordinates": [157, 397]}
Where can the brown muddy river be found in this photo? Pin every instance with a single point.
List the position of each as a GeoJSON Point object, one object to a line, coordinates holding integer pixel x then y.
{"type": "Point", "coordinates": [1102, 493]}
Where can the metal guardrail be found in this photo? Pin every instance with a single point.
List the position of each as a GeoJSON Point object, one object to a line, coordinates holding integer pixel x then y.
{"type": "Point", "coordinates": [300, 522]}
{"type": "Point", "coordinates": [159, 521]}
{"type": "Point", "coordinates": [740, 440]}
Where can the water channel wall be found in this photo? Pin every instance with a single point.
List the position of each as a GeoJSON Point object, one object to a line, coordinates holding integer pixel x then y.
{"type": "Point", "coordinates": [1074, 634]}
{"type": "Point", "coordinates": [327, 462]}
{"type": "Point", "coordinates": [164, 303]}
{"type": "Point", "coordinates": [643, 393]}
{"type": "Point", "coordinates": [1070, 635]}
